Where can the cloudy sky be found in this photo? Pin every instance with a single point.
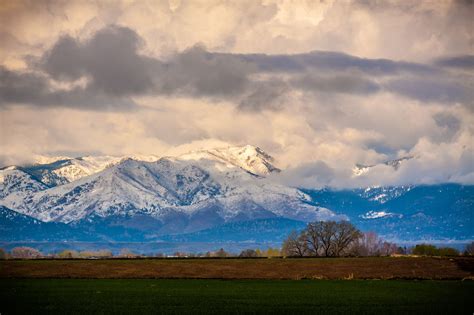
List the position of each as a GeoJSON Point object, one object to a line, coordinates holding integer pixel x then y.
{"type": "Point", "coordinates": [320, 86]}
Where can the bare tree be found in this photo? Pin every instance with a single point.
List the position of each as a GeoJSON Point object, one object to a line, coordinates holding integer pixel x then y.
{"type": "Point", "coordinates": [248, 253]}
{"type": "Point", "coordinates": [221, 253]}
{"type": "Point", "coordinates": [345, 235]}
{"type": "Point", "coordinates": [389, 248]}
{"type": "Point", "coordinates": [469, 249]}
{"type": "Point", "coordinates": [313, 237]}
{"type": "Point", "coordinates": [323, 238]}
{"type": "Point", "coordinates": [295, 245]}
{"type": "Point", "coordinates": [328, 233]}
{"type": "Point", "coordinates": [367, 245]}
{"type": "Point", "coordinates": [370, 244]}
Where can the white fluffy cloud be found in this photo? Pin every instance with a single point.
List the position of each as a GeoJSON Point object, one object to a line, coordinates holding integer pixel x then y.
{"type": "Point", "coordinates": [355, 27]}
{"type": "Point", "coordinates": [318, 113]}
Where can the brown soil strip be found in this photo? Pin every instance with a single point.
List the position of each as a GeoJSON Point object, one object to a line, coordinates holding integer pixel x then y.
{"type": "Point", "coordinates": [276, 268]}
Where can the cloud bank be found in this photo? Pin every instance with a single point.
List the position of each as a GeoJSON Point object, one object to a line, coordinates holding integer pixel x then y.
{"type": "Point", "coordinates": [315, 84]}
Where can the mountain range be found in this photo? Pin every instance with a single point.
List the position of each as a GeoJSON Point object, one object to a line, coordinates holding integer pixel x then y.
{"type": "Point", "coordinates": [216, 195]}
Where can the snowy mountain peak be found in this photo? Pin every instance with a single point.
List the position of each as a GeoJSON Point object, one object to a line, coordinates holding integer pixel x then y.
{"type": "Point", "coordinates": [60, 170]}
{"type": "Point", "coordinates": [9, 168]}
{"type": "Point", "coordinates": [220, 186]}
{"type": "Point", "coordinates": [361, 169]}
{"type": "Point", "coordinates": [249, 158]}
{"type": "Point", "coordinates": [63, 171]}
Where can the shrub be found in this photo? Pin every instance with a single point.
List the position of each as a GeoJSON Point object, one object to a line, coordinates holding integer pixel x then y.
{"type": "Point", "coordinates": [221, 253]}
{"type": "Point", "coordinates": [25, 253]}
{"type": "Point", "coordinates": [68, 254]}
{"type": "Point", "coordinates": [126, 253]}
{"type": "Point", "coordinates": [431, 250]}
{"type": "Point", "coordinates": [424, 250]}
{"type": "Point", "coordinates": [3, 254]}
{"type": "Point", "coordinates": [448, 251]}
{"type": "Point", "coordinates": [248, 253]}
{"type": "Point", "coordinates": [469, 251]}
{"type": "Point", "coordinates": [272, 252]}
{"type": "Point", "coordinates": [96, 254]}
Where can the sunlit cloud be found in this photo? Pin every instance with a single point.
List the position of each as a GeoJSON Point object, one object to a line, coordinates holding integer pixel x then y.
{"type": "Point", "coordinates": [317, 85]}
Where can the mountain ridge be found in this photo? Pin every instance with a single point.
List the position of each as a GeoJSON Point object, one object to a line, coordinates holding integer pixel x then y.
{"type": "Point", "coordinates": [193, 191]}
{"type": "Point", "coordinates": [211, 190]}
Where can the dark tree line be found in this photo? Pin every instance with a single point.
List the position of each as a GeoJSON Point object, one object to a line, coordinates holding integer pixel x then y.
{"type": "Point", "coordinates": [334, 239]}
{"type": "Point", "coordinates": [323, 238]}
{"type": "Point", "coordinates": [431, 250]}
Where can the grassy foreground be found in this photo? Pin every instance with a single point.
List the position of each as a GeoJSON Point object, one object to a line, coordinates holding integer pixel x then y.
{"type": "Point", "coordinates": [235, 296]}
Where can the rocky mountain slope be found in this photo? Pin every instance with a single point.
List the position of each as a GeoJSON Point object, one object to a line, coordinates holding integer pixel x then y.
{"type": "Point", "coordinates": [222, 194]}
{"type": "Point", "coordinates": [181, 194]}
{"type": "Point", "coordinates": [442, 212]}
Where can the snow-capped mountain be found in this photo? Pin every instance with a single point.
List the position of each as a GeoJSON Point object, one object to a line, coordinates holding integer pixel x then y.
{"type": "Point", "coordinates": [250, 158]}
{"type": "Point", "coordinates": [381, 194]}
{"type": "Point", "coordinates": [202, 194]}
{"type": "Point", "coordinates": [54, 171]}
{"type": "Point", "coordinates": [361, 169]}
{"type": "Point", "coordinates": [15, 180]}
{"type": "Point", "coordinates": [59, 171]}
{"type": "Point", "coordinates": [420, 212]}
{"type": "Point", "coordinates": [190, 192]}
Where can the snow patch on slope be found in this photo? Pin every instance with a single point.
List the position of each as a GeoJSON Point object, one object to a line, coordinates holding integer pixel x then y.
{"type": "Point", "coordinates": [172, 186]}
{"type": "Point", "coordinates": [377, 214]}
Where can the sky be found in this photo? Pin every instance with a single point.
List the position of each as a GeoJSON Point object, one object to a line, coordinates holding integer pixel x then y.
{"type": "Point", "coordinates": [320, 86]}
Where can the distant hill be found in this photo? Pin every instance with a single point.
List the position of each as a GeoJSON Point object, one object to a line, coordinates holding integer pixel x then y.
{"type": "Point", "coordinates": [261, 230]}
{"type": "Point", "coordinates": [435, 212]}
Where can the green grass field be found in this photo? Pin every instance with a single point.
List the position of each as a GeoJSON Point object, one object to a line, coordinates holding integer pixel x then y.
{"type": "Point", "coordinates": [87, 296]}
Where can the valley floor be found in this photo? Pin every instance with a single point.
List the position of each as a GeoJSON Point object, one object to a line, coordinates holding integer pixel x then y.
{"type": "Point", "coordinates": [430, 268]}
{"type": "Point", "coordinates": [204, 296]}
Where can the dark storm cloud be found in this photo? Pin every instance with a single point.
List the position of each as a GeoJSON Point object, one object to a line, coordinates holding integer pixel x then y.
{"type": "Point", "coordinates": [114, 70]}
{"type": "Point", "coordinates": [462, 62]}
{"type": "Point", "coordinates": [333, 61]}
{"type": "Point", "coordinates": [432, 90]}
{"type": "Point", "coordinates": [449, 126]}
{"type": "Point", "coordinates": [19, 87]}
{"type": "Point", "coordinates": [31, 88]}
{"type": "Point", "coordinates": [198, 72]}
{"type": "Point", "coordinates": [265, 95]}
{"type": "Point", "coordinates": [109, 62]}
{"type": "Point", "coordinates": [340, 83]}
{"type": "Point", "coordinates": [447, 120]}
{"type": "Point", "coordinates": [112, 61]}
{"type": "Point", "coordinates": [109, 58]}
{"type": "Point", "coordinates": [382, 147]}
